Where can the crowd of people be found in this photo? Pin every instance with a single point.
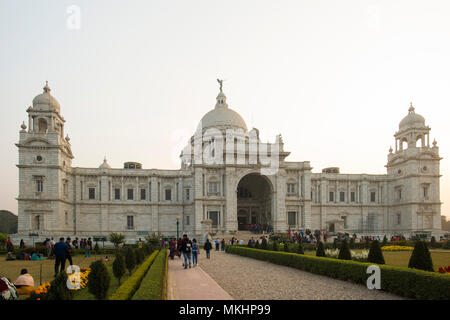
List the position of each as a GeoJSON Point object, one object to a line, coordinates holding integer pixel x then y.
{"type": "Point", "coordinates": [23, 285]}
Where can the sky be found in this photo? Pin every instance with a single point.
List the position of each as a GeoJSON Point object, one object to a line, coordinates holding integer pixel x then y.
{"type": "Point", "coordinates": [134, 78]}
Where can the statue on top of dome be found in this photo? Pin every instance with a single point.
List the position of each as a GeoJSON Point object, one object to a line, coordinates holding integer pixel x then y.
{"type": "Point", "coordinates": [221, 84]}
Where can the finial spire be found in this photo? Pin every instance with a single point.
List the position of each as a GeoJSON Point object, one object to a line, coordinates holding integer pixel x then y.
{"type": "Point", "coordinates": [46, 88]}
{"type": "Point", "coordinates": [411, 108]}
{"type": "Point", "coordinates": [220, 83]}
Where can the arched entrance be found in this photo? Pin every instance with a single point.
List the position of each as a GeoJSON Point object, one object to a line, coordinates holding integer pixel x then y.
{"type": "Point", "coordinates": [254, 203]}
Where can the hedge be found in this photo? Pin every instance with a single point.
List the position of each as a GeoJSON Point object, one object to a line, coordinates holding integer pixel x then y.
{"type": "Point", "coordinates": [152, 286]}
{"type": "Point", "coordinates": [129, 287]}
{"type": "Point", "coordinates": [401, 281]}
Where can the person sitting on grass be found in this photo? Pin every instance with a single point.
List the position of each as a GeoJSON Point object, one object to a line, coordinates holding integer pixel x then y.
{"type": "Point", "coordinates": [10, 257]}
{"type": "Point", "coordinates": [106, 259]}
{"type": "Point", "coordinates": [8, 290]}
{"type": "Point", "coordinates": [24, 283]}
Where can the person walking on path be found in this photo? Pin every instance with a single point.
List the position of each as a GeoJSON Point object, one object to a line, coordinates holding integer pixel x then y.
{"type": "Point", "coordinates": [60, 250]}
{"type": "Point", "coordinates": [69, 251]}
{"type": "Point", "coordinates": [207, 247]}
{"type": "Point", "coordinates": [223, 245]}
{"type": "Point", "coordinates": [22, 244]}
{"type": "Point", "coordinates": [186, 249]}
{"type": "Point", "coordinates": [217, 244]}
{"type": "Point", "coordinates": [88, 248]}
{"type": "Point", "coordinates": [195, 252]}
{"type": "Point", "coordinates": [48, 245]}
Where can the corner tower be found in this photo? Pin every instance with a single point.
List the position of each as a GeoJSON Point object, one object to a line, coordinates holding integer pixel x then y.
{"type": "Point", "coordinates": [414, 188]}
{"type": "Point", "coordinates": [45, 159]}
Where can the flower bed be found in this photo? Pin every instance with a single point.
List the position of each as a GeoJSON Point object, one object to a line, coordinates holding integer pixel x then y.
{"type": "Point", "coordinates": [444, 270]}
{"type": "Point", "coordinates": [397, 248]}
{"type": "Point", "coordinates": [411, 283]}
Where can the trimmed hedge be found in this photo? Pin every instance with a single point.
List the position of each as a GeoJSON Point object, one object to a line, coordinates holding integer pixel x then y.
{"type": "Point", "coordinates": [402, 281]}
{"type": "Point", "coordinates": [129, 287]}
{"type": "Point", "coordinates": [153, 284]}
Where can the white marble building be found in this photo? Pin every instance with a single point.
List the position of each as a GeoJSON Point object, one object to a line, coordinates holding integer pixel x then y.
{"type": "Point", "coordinates": [56, 198]}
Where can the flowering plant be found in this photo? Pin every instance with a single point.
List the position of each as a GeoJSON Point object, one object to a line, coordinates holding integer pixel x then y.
{"type": "Point", "coordinates": [397, 248]}
{"type": "Point", "coordinates": [444, 270]}
{"type": "Point", "coordinates": [358, 256]}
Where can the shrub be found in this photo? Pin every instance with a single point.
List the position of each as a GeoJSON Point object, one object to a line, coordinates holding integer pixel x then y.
{"type": "Point", "coordinates": [433, 242]}
{"type": "Point", "coordinates": [375, 254]}
{"type": "Point", "coordinates": [130, 259]}
{"type": "Point", "coordinates": [286, 247]}
{"type": "Point", "coordinates": [264, 244]}
{"type": "Point", "coordinates": [98, 280]}
{"type": "Point", "coordinates": [250, 245]}
{"type": "Point", "coordinates": [385, 241]}
{"type": "Point", "coordinates": [275, 246]}
{"type": "Point", "coordinates": [446, 245]}
{"type": "Point", "coordinates": [129, 287]}
{"type": "Point", "coordinates": [335, 243]}
{"type": "Point", "coordinates": [58, 288]}
{"type": "Point", "coordinates": [139, 256]}
{"type": "Point", "coordinates": [352, 243]}
{"type": "Point", "coordinates": [320, 250]}
{"type": "Point", "coordinates": [344, 251]}
{"type": "Point", "coordinates": [300, 248]}
{"type": "Point", "coordinates": [152, 286]}
{"type": "Point", "coordinates": [119, 267]}
{"type": "Point", "coordinates": [420, 257]}
{"type": "Point", "coordinates": [96, 248]}
{"type": "Point", "coordinates": [256, 244]}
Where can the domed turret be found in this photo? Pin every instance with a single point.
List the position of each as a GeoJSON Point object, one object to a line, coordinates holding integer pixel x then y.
{"type": "Point", "coordinates": [412, 120]}
{"type": "Point", "coordinates": [45, 101]}
{"type": "Point", "coordinates": [105, 164]}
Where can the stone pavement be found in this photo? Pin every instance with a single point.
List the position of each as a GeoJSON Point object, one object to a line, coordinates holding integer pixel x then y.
{"type": "Point", "coordinates": [192, 284]}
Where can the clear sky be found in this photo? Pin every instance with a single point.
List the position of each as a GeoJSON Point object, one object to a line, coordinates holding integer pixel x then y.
{"type": "Point", "coordinates": [335, 78]}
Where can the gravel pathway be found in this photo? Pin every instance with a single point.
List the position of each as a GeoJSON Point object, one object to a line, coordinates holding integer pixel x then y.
{"type": "Point", "coordinates": [247, 279]}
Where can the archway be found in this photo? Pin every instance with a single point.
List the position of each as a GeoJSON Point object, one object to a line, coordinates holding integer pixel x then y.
{"type": "Point", "coordinates": [254, 203]}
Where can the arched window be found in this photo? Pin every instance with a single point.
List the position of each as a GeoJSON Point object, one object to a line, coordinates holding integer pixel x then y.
{"type": "Point", "coordinates": [422, 141]}
{"type": "Point", "coordinates": [42, 125]}
{"type": "Point", "coordinates": [403, 144]}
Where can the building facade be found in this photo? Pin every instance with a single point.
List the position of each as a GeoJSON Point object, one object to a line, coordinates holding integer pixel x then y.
{"type": "Point", "coordinates": [228, 180]}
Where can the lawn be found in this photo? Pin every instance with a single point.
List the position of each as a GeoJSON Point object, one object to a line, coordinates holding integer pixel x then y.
{"type": "Point", "coordinates": [440, 258]}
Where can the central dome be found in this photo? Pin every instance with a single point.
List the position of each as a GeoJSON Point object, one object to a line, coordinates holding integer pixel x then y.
{"type": "Point", "coordinates": [45, 101]}
{"type": "Point", "coordinates": [222, 117]}
{"type": "Point", "coordinates": [412, 120]}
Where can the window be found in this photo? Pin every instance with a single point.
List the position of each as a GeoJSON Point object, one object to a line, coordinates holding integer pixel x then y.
{"type": "Point", "coordinates": [290, 188]}
{"type": "Point", "coordinates": [188, 191]}
{"type": "Point", "coordinates": [188, 220]}
{"type": "Point", "coordinates": [130, 222]}
{"type": "Point", "coordinates": [91, 193]}
{"type": "Point", "coordinates": [39, 158]}
{"type": "Point", "coordinates": [292, 218]}
{"type": "Point", "coordinates": [168, 194]}
{"type": "Point", "coordinates": [425, 192]}
{"type": "Point", "coordinates": [243, 193]}
{"type": "Point", "coordinates": [213, 188]}
{"type": "Point", "coordinates": [40, 185]}
{"type": "Point", "coordinates": [342, 196]}
{"type": "Point", "coordinates": [399, 194]}
{"type": "Point", "coordinates": [117, 193]}
{"type": "Point", "coordinates": [65, 189]}
{"type": "Point", "coordinates": [66, 218]}
{"type": "Point", "coordinates": [130, 194]}
{"type": "Point", "coordinates": [214, 216]}
{"type": "Point", "coordinates": [331, 199]}
{"type": "Point", "coordinates": [352, 196]}
{"type": "Point", "coordinates": [399, 218]}
{"type": "Point", "coordinates": [372, 196]}
{"type": "Point", "coordinates": [143, 194]}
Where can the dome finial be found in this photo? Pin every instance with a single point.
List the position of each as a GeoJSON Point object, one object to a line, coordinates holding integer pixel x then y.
{"type": "Point", "coordinates": [46, 88]}
{"type": "Point", "coordinates": [411, 108]}
{"type": "Point", "coordinates": [221, 83]}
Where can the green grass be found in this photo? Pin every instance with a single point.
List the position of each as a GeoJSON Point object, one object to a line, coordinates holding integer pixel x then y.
{"type": "Point", "coordinates": [440, 258]}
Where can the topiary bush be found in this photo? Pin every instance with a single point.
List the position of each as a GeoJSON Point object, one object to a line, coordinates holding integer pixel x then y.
{"type": "Point", "coordinates": [375, 254]}
{"type": "Point", "coordinates": [286, 247]}
{"type": "Point", "coordinates": [446, 245]}
{"type": "Point", "coordinates": [130, 259]}
{"type": "Point", "coordinates": [264, 244]}
{"type": "Point", "coordinates": [139, 256]}
{"type": "Point", "coordinates": [275, 246]}
{"type": "Point", "coordinates": [344, 251]}
{"type": "Point", "coordinates": [385, 241]}
{"type": "Point", "coordinates": [335, 243]}
{"type": "Point", "coordinates": [420, 257]}
{"type": "Point", "coordinates": [58, 288]}
{"type": "Point", "coordinates": [119, 267]}
{"type": "Point", "coordinates": [99, 280]}
{"type": "Point", "coordinates": [433, 242]}
{"type": "Point", "coordinates": [257, 244]}
{"type": "Point", "coordinates": [320, 250]}
{"type": "Point", "coordinates": [250, 245]}
{"type": "Point", "coordinates": [300, 248]}
{"type": "Point", "coordinates": [352, 243]}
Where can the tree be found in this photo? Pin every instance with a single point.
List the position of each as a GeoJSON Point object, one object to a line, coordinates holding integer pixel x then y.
{"type": "Point", "coordinates": [385, 241]}
{"type": "Point", "coordinates": [119, 267]}
{"type": "Point", "coordinates": [257, 244]}
{"type": "Point", "coordinates": [344, 251]}
{"type": "Point", "coordinates": [250, 245]}
{"type": "Point", "coordinates": [139, 256]}
{"type": "Point", "coordinates": [58, 288]}
{"type": "Point", "coordinates": [275, 245]}
{"type": "Point", "coordinates": [375, 254]}
{"type": "Point", "coordinates": [433, 242]}
{"type": "Point", "coordinates": [420, 257]}
{"type": "Point", "coordinates": [335, 243]}
{"type": "Point", "coordinates": [352, 243]}
{"type": "Point", "coordinates": [320, 250]}
{"type": "Point", "coordinates": [98, 279]}
{"type": "Point", "coordinates": [130, 259]}
{"type": "Point", "coordinates": [154, 239]}
{"type": "Point", "coordinates": [264, 244]}
{"type": "Point", "coordinates": [3, 240]}
{"type": "Point", "coordinates": [116, 238]}
{"type": "Point", "coordinates": [300, 248]}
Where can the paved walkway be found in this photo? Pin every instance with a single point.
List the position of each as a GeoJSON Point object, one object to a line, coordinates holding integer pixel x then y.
{"type": "Point", "coordinates": [192, 284]}
{"type": "Point", "coordinates": [249, 279]}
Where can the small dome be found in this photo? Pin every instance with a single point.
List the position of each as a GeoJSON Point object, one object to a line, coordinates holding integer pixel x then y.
{"type": "Point", "coordinates": [222, 116]}
{"type": "Point", "coordinates": [45, 101]}
{"type": "Point", "coordinates": [105, 165]}
{"type": "Point", "coordinates": [412, 120]}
